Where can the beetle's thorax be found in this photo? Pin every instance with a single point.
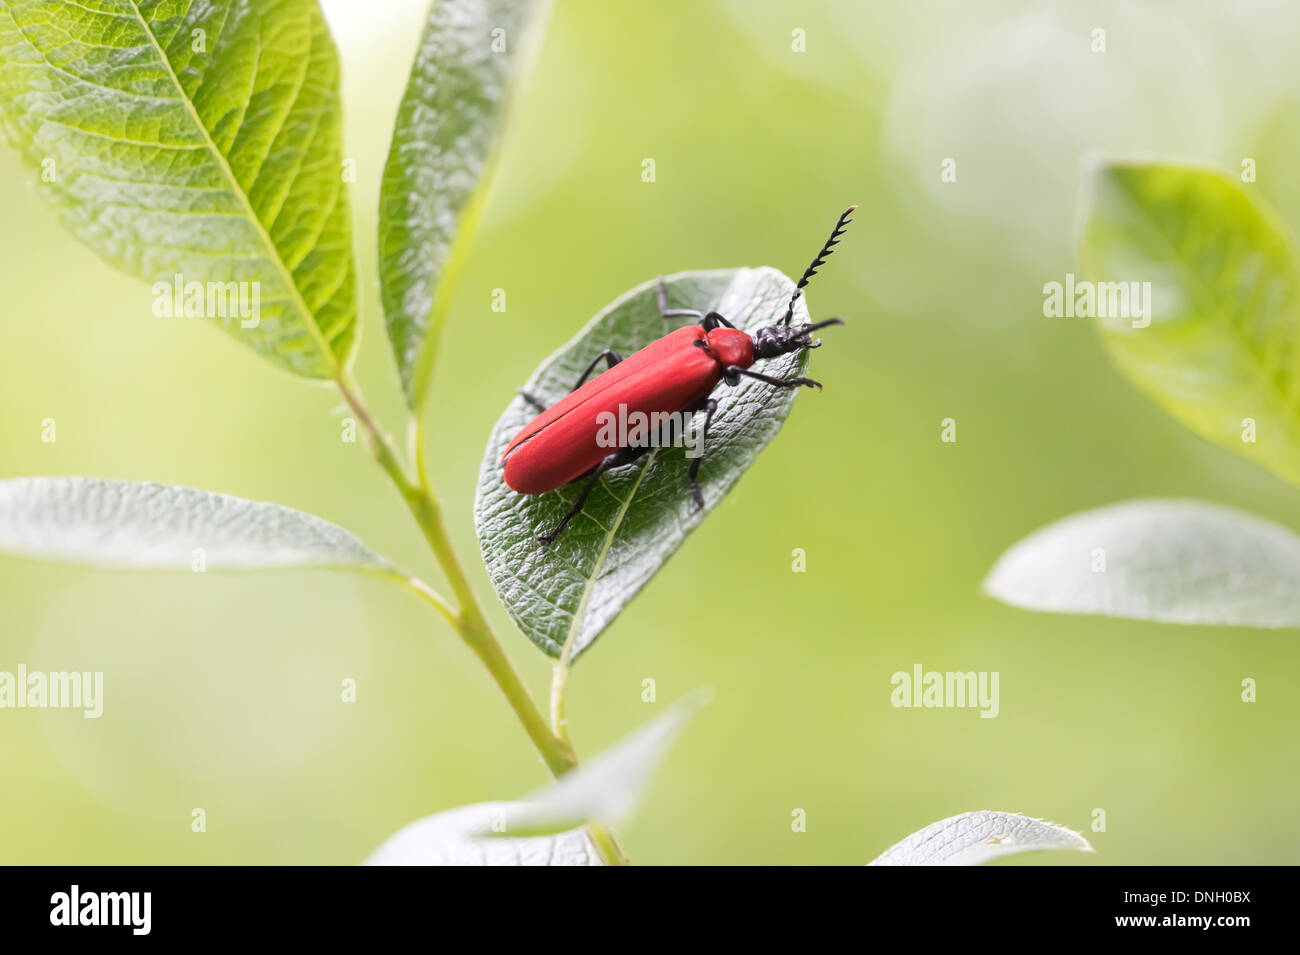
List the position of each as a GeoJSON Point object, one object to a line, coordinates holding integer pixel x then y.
{"type": "Point", "coordinates": [731, 346]}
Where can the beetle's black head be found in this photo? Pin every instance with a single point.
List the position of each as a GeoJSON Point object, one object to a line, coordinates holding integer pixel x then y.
{"type": "Point", "coordinates": [781, 339]}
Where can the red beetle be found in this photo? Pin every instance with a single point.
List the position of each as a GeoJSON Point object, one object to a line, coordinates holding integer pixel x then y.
{"type": "Point", "coordinates": [676, 373]}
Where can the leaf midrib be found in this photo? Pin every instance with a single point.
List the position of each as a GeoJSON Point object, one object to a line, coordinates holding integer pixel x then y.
{"type": "Point", "coordinates": [309, 316]}
{"type": "Point", "coordinates": [566, 652]}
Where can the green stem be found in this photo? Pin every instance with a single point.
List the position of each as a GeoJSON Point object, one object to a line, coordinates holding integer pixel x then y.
{"type": "Point", "coordinates": [604, 840]}
{"type": "Point", "coordinates": [608, 848]}
{"type": "Point", "coordinates": [606, 845]}
{"type": "Point", "coordinates": [559, 687]}
{"type": "Point", "coordinates": [422, 590]}
{"type": "Point", "coordinates": [468, 619]}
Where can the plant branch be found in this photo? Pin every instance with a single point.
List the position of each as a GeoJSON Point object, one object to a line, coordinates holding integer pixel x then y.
{"type": "Point", "coordinates": [606, 845]}
{"type": "Point", "coordinates": [559, 687]}
{"type": "Point", "coordinates": [467, 619]}
{"type": "Point", "coordinates": [426, 593]}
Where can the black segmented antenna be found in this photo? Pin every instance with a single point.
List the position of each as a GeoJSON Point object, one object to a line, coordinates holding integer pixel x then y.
{"type": "Point", "coordinates": [818, 262]}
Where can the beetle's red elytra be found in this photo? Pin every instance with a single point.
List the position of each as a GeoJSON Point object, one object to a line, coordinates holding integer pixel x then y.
{"type": "Point", "coordinates": [560, 444]}
{"type": "Point", "coordinates": [674, 374]}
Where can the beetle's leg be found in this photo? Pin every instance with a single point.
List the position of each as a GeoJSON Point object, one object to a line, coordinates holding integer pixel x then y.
{"type": "Point", "coordinates": [732, 374]}
{"type": "Point", "coordinates": [609, 356]}
{"type": "Point", "coordinates": [710, 321]}
{"type": "Point", "coordinates": [665, 312]}
{"type": "Point", "coordinates": [532, 400]}
{"type": "Point", "coordinates": [546, 540]}
{"type": "Point", "coordinates": [710, 407]}
{"type": "Point", "coordinates": [616, 460]}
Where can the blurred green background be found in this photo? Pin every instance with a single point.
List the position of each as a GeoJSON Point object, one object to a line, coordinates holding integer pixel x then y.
{"type": "Point", "coordinates": [222, 692]}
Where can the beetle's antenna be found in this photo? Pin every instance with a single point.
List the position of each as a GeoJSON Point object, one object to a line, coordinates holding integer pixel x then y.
{"type": "Point", "coordinates": [818, 262]}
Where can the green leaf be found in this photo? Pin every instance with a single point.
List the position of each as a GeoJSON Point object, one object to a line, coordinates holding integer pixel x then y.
{"type": "Point", "coordinates": [975, 837]}
{"type": "Point", "coordinates": [1224, 334]}
{"type": "Point", "coordinates": [440, 165]}
{"type": "Point", "coordinates": [606, 788]}
{"type": "Point", "coordinates": [1176, 561]}
{"type": "Point", "coordinates": [638, 515]}
{"type": "Point", "coordinates": [195, 138]}
{"type": "Point", "coordinates": [160, 526]}
{"type": "Point", "coordinates": [452, 838]}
